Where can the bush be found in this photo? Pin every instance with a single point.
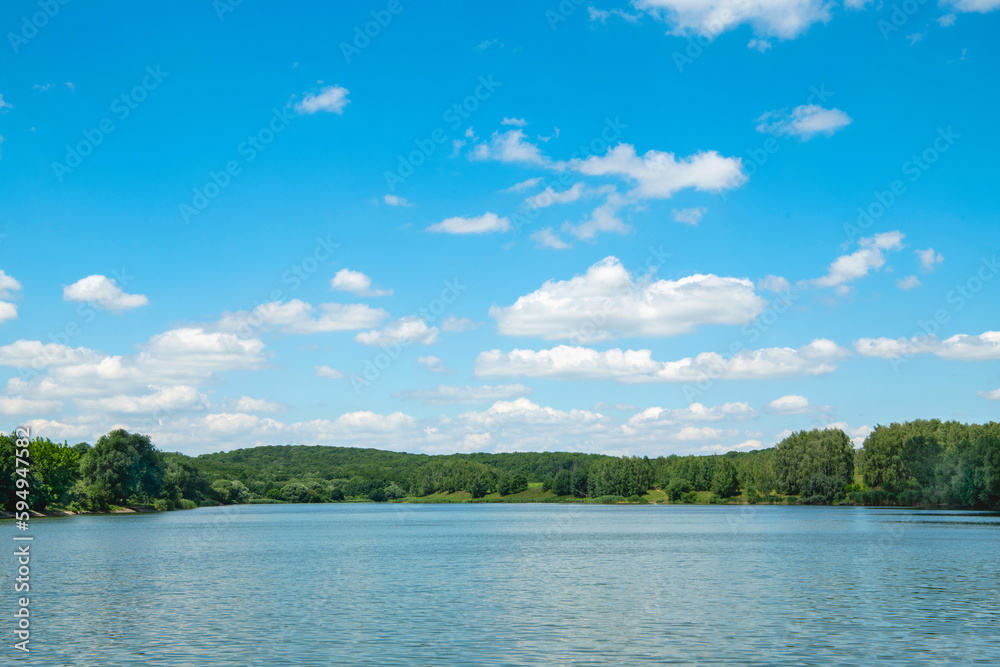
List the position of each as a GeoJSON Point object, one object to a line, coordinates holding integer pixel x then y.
{"type": "Point", "coordinates": [689, 497]}
{"type": "Point", "coordinates": [188, 504]}
{"type": "Point", "coordinates": [611, 500]}
{"type": "Point", "coordinates": [677, 488]}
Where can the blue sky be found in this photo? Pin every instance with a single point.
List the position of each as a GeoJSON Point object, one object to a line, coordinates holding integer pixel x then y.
{"type": "Point", "coordinates": [656, 227]}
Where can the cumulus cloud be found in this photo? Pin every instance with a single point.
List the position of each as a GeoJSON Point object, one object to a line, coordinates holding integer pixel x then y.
{"type": "Point", "coordinates": [908, 283]}
{"type": "Point", "coordinates": [509, 146]}
{"type": "Point", "coordinates": [393, 200]}
{"type": "Point", "coordinates": [103, 291]}
{"type": "Point", "coordinates": [8, 285]}
{"type": "Point", "coordinates": [524, 185]}
{"type": "Point", "coordinates": [18, 405]}
{"type": "Point", "coordinates": [179, 357]}
{"type": "Point", "coordinates": [993, 395]}
{"type": "Point", "coordinates": [248, 404]}
{"type": "Point", "coordinates": [331, 99]}
{"type": "Point", "coordinates": [635, 366]}
{"type": "Point", "coordinates": [784, 19]}
{"type": "Point", "coordinates": [929, 259]}
{"type": "Point", "coordinates": [356, 283]}
{"type": "Point", "coordinates": [960, 347]}
{"type": "Point", "coordinates": [546, 238]}
{"type": "Point", "coordinates": [608, 302]}
{"type": "Point", "coordinates": [980, 6]}
{"type": "Point", "coordinates": [161, 400]}
{"type": "Point", "coordinates": [432, 364]}
{"type": "Point", "coordinates": [602, 219]}
{"type": "Point", "coordinates": [794, 404]}
{"type": "Point", "coordinates": [658, 175]}
{"type": "Point", "coordinates": [298, 317]}
{"type": "Point", "coordinates": [457, 324]}
{"type": "Point", "coordinates": [329, 373]}
{"type": "Point", "coordinates": [455, 395]}
{"type": "Point", "coordinates": [36, 354]}
{"type": "Point", "coordinates": [516, 122]}
{"type": "Point", "coordinates": [804, 122]}
{"type": "Point", "coordinates": [858, 264]}
{"type": "Point", "coordinates": [483, 224]}
{"type": "Point", "coordinates": [549, 197]}
{"type": "Point", "coordinates": [404, 331]}
{"type": "Point", "coordinates": [774, 284]}
{"type": "Point", "coordinates": [689, 216]}
{"type": "Point", "coordinates": [696, 412]}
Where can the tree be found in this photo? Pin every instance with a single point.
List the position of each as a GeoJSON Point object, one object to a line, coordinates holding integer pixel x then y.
{"type": "Point", "coordinates": [677, 487]}
{"type": "Point", "coordinates": [509, 484]}
{"type": "Point", "coordinates": [724, 481]}
{"type": "Point", "coordinates": [562, 485]}
{"type": "Point", "coordinates": [122, 467]}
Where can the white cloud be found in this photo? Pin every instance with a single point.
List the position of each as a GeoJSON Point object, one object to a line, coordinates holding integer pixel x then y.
{"type": "Point", "coordinates": [297, 317]}
{"type": "Point", "coordinates": [509, 146]}
{"type": "Point", "coordinates": [603, 16]}
{"type": "Point", "coordinates": [857, 435]}
{"type": "Point", "coordinates": [404, 331]}
{"type": "Point", "coordinates": [908, 283]}
{"type": "Point", "coordinates": [356, 283]}
{"type": "Point", "coordinates": [915, 37]}
{"type": "Point", "coordinates": [524, 185]}
{"type": "Point", "coordinates": [981, 6]}
{"type": "Point", "coordinates": [634, 366]}
{"type": "Point", "coordinates": [761, 45]}
{"type": "Point", "coordinates": [546, 238]}
{"type": "Point", "coordinates": [602, 219]}
{"type": "Point", "coordinates": [247, 404]}
{"type": "Point", "coordinates": [432, 363]}
{"type": "Point", "coordinates": [785, 19]}
{"type": "Point", "coordinates": [179, 357]}
{"type": "Point", "coordinates": [36, 354]}
{"type": "Point", "coordinates": [929, 259]}
{"type": "Point", "coordinates": [332, 99]}
{"type": "Point", "coordinates": [18, 405]}
{"type": "Point", "coordinates": [549, 197]}
{"type": "Point", "coordinates": [8, 311]}
{"type": "Point", "coordinates": [960, 347]}
{"type": "Point", "coordinates": [696, 412]}
{"type": "Point", "coordinates": [804, 122]}
{"type": "Point", "coordinates": [946, 21]}
{"type": "Point", "coordinates": [658, 175]}
{"type": "Point", "coordinates": [794, 404]}
{"type": "Point", "coordinates": [393, 200]}
{"type": "Point", "coordinates": [455, 395]}
{"type": "Point", "coordinates": [4, 104]}
{"type": "Point", "coordinates": [516, 122]}
{"type": "Point", "coordinates": [689, 216]}
{"type": "Point", "coordinates": [104, 292]}
{"type": "Point", "coordinates": [329, 373]}
{"type": "Point", "coordinates": [774, 284]}
{"type": "Point", "coordinates": [993, 395]}
{"type": "Point", "coordinates": [608, 294]}
{"type": "Point", "coordinates": [858, 264]}
{"type": "Point", "coordinates": [8, 285]}
{"type": "Point", "coordinates": [483, 224]}
{"type": "Point", "coordinates": [457, 324]}
{"type": "Point", "coordinates": [165, 400]}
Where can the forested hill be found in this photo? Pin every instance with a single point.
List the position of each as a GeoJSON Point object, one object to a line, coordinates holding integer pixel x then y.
{"type": "Point", "coordinates": [925, 462]}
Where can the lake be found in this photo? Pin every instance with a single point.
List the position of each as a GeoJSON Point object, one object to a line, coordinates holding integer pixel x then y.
{"type": "Point", "coordinates": [383, 584]}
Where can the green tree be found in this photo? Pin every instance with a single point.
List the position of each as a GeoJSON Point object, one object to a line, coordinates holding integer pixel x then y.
{"type": "Point", "coordinates": [724, 481]}
{"type": "Point", "coordinates": [122, 467]}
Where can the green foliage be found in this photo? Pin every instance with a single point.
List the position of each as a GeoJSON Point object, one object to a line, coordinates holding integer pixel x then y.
{"type": "Point", "coordinates": [808, 456]}
{"type": "Point", "coordinates": [725, 482]}
{"type": "Point", "coordinates": [122, 467]}
{"type": "Point", "coordinates": [510, 484]}
{"type": "Point", "coordinates": [623, 476]}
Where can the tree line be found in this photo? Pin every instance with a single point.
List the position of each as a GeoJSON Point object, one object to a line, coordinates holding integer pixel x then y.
{"type": "Point", "coordinates": [923, 462]}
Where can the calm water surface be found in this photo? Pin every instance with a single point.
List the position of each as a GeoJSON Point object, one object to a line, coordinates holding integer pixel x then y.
{"type": "Point", "coordinates": [365, 584]}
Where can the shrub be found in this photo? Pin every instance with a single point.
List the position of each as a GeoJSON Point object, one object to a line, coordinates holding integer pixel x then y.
{"type": "Point", "coordinates": [689, 497]}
